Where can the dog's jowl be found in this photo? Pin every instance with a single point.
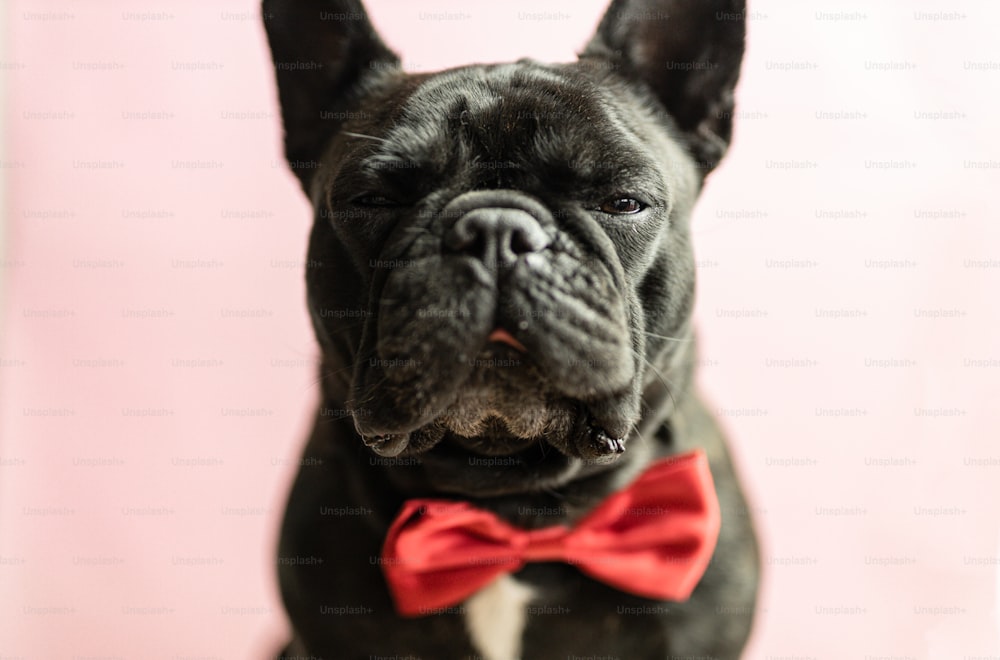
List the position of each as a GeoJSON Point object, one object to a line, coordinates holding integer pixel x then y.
{"type": "Point", "coordinates": [510, 459]}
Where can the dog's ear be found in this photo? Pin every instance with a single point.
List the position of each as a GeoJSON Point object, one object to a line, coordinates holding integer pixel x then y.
{"type": "Point", "coordinates": [688, 52]}
{"type": "Point", "coordinates": [324, 52]}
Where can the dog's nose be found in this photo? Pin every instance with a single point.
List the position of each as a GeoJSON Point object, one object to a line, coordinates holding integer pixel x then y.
{"type": "Point", "coordinates": [496, 235]}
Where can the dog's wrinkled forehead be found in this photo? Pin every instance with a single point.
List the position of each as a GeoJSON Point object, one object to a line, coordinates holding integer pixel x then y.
{"type": "Point", "coordinates": [493, 120]}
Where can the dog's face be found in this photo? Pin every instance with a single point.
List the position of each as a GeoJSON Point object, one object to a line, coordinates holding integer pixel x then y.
{"type": "Point", "coordinates": [500, 262]}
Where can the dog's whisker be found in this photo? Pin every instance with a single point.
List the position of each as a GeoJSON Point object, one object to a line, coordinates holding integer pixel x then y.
{"type": "Point", "coordinates": [665, 338]}
{"type": "Point", "coordinates": [667, 385]}
{"type": "Point", "coordinates": [329, 375]}
{"type": "Point", "coordinates": [362, 135]}
{"type": "Point", "coordinates": [348, 367]}
{"type": "Point", "coordinates": [635, 427]}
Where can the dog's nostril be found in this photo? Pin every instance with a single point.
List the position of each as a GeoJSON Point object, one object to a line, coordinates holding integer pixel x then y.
{"type": "Point", "coordinates": [523, 242]}
{"type": "Point", "coordinates": [469, 242]}
{"type": "Point", "coordinates": [496, 235]}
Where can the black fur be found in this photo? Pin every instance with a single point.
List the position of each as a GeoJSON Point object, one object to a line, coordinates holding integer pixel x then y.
{"type": "Point", "coordinates": [453, 204]}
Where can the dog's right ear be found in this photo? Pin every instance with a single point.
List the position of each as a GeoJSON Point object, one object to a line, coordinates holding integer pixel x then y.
{"type": "Point", "coordinates": [324, 52]}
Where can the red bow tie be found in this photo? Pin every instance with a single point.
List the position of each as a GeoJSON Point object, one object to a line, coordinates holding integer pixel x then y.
{"type": "Point", "coordinates": [654, 539]}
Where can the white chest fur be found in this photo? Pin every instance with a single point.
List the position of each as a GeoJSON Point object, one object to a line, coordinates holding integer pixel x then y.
{"type": "Point", "coordinates": [495, 618]}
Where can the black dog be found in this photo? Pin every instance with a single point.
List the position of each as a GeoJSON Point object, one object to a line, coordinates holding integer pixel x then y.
{"type": "Point", "coordinates": [501, 279]}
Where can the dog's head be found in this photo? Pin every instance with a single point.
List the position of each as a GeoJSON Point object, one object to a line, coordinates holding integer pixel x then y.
{"type": "Point", "coordinates": [500, 263]}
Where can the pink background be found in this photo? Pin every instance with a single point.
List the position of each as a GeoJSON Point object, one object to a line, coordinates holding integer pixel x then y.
{"type": "Point", "coordinates": [156, 372]}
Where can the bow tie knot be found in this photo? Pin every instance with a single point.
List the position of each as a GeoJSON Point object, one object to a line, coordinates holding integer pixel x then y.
{"type": "Point", "coordinates": [546, 544]}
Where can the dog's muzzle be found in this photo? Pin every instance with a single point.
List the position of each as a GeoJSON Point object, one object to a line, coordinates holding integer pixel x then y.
{"type": "Point", "coordinates": [496, 228]}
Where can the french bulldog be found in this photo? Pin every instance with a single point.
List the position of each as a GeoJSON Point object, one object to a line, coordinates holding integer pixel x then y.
{"type": "Point", "coordinates": [500, 277]}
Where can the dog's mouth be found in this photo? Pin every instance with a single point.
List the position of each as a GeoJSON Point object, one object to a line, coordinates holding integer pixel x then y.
{"type": "Point", "coordinates": [493, 464]}
{"type": "Point", "coordinates": [487, 445]}
{"type": "Point", "coordinates": [503, 410]}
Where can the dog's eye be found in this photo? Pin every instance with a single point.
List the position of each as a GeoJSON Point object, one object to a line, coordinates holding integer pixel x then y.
{"type": "Point", "coordinates": [375, 200]}
{"type": "Point", "coordinates": [622, 206]}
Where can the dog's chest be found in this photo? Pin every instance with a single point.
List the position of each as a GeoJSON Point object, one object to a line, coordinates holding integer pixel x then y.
{"type": "Point", "coordinates": [496, 616]}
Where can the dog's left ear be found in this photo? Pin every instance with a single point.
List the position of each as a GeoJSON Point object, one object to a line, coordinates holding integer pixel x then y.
{"type": "Point", "coordinates": [688, 52]}
{"type": "Point", "coordinates": [325, 52]}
